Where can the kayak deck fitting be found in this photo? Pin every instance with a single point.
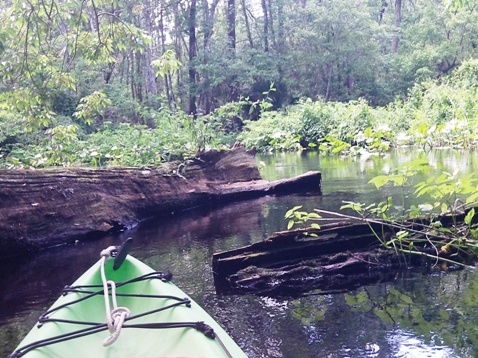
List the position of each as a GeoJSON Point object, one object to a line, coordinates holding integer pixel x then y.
{"type": "Point", "coordinates": [123, 308]}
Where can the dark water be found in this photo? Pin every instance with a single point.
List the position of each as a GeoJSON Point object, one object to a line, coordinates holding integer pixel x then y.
{"type": "Point", "coordinates": [415, 315]}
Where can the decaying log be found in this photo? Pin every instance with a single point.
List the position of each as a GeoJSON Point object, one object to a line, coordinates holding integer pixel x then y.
{"type": "Point", "coordinates": [42, 208]}
{"type": "Point", "coordinates": [338, 257]}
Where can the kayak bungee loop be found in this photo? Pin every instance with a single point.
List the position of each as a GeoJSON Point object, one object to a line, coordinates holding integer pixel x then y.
{"type": "Point", "coordinates": [116, 317]}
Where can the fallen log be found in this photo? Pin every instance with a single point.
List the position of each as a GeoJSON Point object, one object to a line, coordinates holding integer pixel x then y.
{"type": "Point", "coordinates": [43, 208]}
{"type": "Point", "coordinates": [339, 256]}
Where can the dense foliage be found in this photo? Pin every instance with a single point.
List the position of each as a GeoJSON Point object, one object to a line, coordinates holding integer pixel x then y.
{"type": "Point", "coordinates": [123, 83]}
{"type": "Point", "coordinates": [435, 113]}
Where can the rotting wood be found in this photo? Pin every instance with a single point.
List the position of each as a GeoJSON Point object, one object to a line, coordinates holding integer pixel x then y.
{"type": "Point", "coordinates": [43, 208]}
{"type": "Point", "coordinates": [338, 257]}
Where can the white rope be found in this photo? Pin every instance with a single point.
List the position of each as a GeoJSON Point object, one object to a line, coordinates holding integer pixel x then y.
{"type": "Point", "coordinates": [116, 317]}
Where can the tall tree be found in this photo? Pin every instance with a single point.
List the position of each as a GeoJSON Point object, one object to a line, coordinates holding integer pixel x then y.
{"type": "Point", "coordinates": [150, 78]}
{"type": "Point", "coordinates": [334, 49]}
{"type": "Point", "coordinates": [398, 22]}
{"type": "Point", "coordinates": [192, 57]}
{"type": "Point", "coordinates": [265, 34]}
{"type": "Point", "coordinates": [245, 13]}
{"type": "Point", "coordinates": [231, 26]}
{"type": "Point", "coordinates": [209, 20]}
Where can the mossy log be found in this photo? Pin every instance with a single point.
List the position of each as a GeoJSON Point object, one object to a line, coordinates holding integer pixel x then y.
{"type": "Point", "coordinates": [42, 208]}
{"type": "Point", "coordinates": [339, 256]}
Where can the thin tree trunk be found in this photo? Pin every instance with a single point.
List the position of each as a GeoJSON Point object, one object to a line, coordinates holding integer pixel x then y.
{"type": "Point", "coordinates": [180, 85]}
{"type": "Point", "coordinates": [271, 23]}
{"type": "Point", "coordinates": [208, 26]}
{"type": "Point", "coordinates": [231, 26]}
{"type": "Point", "coordinates": [166, 78]}
{"type": "Point", "coordinates": [281, 48]}
{"type": "Point", "coordinates": [192, 56]}
{"type": "Point", "coordinates": [138, 78]}
{"type": "Point", "coordinates": [150, 78]}
{"type": "Point", "coordinates": [246, 22]}
{"type": "Point", "coordinates": [231, 47]}
{"type": "Point", "coordinates": [329, 81]}
{"type": "Point", "coordinates": [131, 75]}
{"type": "Point", "coordinates": [266, 26]}
{"type": "Point", "coordinates": [398, 21]}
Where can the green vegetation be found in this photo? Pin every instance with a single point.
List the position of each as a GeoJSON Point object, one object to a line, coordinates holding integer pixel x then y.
{"type": "Point", "coordinates": [101, 83]}
{"type": "Point", "coordinates": [443, 227]}
{"type": "Point", "coordinates": [438, 113]}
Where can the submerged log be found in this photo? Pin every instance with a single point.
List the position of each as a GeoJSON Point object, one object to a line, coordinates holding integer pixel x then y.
{"type": "Point", "coordinates": [340, 256]}
{"type": "Point", "coordinates": [43, 208]}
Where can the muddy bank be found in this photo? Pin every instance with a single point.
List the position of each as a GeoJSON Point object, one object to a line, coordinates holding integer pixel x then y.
{"type": "Point", "coordinates": [42, 208]}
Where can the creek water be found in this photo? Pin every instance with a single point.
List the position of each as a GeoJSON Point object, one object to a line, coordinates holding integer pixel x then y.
{"type": "Point", "coordinates": [416, 314]}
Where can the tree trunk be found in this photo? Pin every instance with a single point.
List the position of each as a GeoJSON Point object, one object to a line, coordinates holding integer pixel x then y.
{"type": "Point", "coordinates": [192, 57]}
{"type": "Point", "coordinates": [138, 78]}
{"type": "Point", "coordinates": [246, 22]}
{"type": "Point", "coordinates": [43, 208]}
{"type": "Point", "coordinates": [398, 21]}
{"type": "Point", "coordinates": [180, 84]}
{"type": "Point", "coordinates": [231, 27]}
{"type": "Point", "coordinates": [271, 23]}
{"type": "Point", "coordinates": [208, 26]}
{"type": "Point", "coordinates": [339, 256]}
{"type": "Point", "coordinates": [281, 44]}
{"type": "Point", "coordinates": [148, 71]}
{"type": "Point", "coordinates": [162, 44]}
{"type": "Point", "coordinates": [266, 26]}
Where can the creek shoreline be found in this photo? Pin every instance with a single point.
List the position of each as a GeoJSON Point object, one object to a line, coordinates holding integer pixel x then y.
{"type": "Point", "coordinates": [51, 207]}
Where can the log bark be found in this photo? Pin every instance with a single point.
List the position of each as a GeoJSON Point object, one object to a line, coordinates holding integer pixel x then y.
{"type": "Point", "coordinates": [338, 257]}
{"type": "Point", "coordinates": [43, 208]}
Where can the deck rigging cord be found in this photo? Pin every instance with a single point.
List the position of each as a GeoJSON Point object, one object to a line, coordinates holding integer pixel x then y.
{"type": "Point", "coordinates": [116, 318]}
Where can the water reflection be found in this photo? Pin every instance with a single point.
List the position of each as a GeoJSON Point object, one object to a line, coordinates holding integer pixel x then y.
{"type": "Point", "coordinates": [286, 165]}
{"type": "Point", "coordinates": [415, 315]}
{"type": "Point", "coordinates": [407, 344]}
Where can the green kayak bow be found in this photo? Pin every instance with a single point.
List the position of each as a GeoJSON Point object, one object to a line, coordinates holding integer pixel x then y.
{"type": "Point", "coordinates": [121, 307]}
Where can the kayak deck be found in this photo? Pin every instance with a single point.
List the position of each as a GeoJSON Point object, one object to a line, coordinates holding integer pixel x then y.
{"type": "Point", "coordinates": [163, 321]}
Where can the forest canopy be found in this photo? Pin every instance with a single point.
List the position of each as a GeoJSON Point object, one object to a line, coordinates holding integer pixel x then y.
{"type": "Point", "coordinates": [97, 82]}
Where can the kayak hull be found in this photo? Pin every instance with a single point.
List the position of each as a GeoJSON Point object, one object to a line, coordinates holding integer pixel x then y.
{"type": "Point", "coordinates": [152, 303]}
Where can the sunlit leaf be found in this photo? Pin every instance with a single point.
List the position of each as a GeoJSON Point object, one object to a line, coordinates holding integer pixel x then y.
{"type": "Point", "coordinates": [379, 181]}
{"type": "Point", "coordinates": [290, 212]}
{"type": "Point", "coordinates": [469, 217]}
{"type": "Point", "coordinates": [290, 224]}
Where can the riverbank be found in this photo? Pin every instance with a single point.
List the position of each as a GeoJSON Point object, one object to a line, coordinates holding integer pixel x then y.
{"type": "Point", "coordinates": [44, 208]}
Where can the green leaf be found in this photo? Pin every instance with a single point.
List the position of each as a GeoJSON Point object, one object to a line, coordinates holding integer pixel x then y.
{"type": "Point", "coordinates": [406, 299]}
{"type": "Point", "coordinates": [379, 181]}
{"type": "Point", "coordinates": [444, 208]}
{"type": "Point", "coordinates": [399, 180]}
{"type": "Point", "coordinates": [313, 216]}
{"type": "Point", "coordinates": [469, 217]}
{"type": "Point", "coordinates": [472, 198]}
{"type": "Point", "coordinates": [290, 224]}
{"type": "Point", "coordinates": [351, 205]}
{"type": "Point", "coordinates": [291, 212]}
